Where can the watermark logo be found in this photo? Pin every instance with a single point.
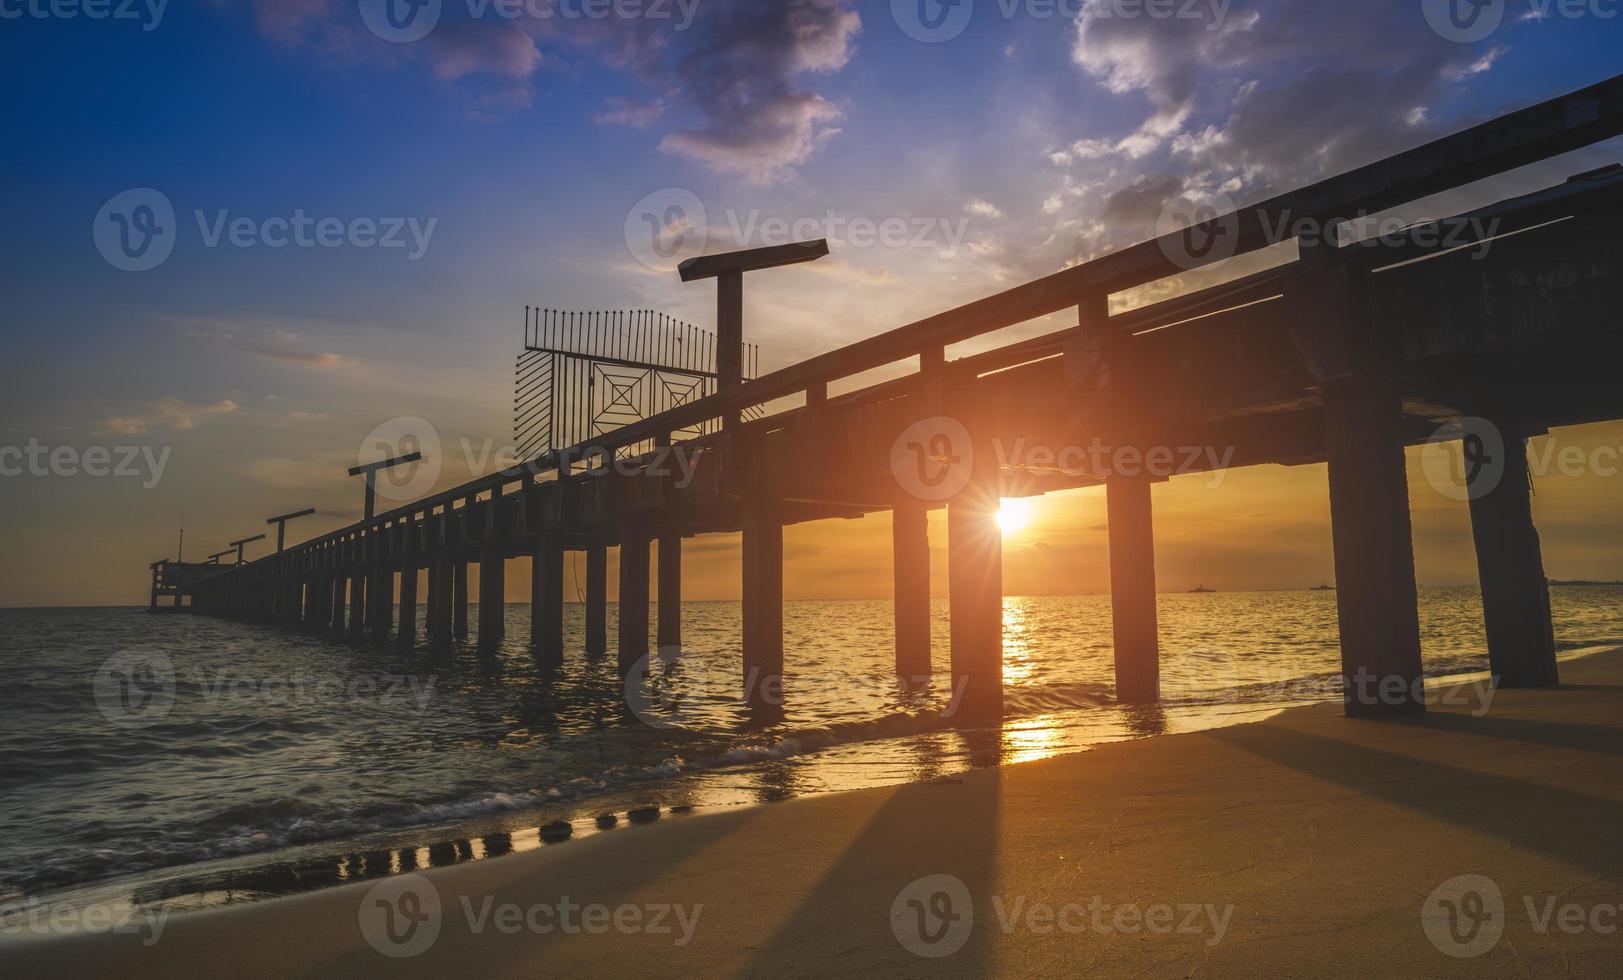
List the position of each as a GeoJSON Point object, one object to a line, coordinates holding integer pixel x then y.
{"type": "Point", "coordinates": [933, 916]}
{"type": "Point", "coordinates": [1464, 916]}
{"type": "Point", "coordinates": [932, 21]}
{"type": "Point", "coordinates": [1463, 21]}
{"type": "Point", "coordinates": [400, 917]}
{"type": "Point", "coordinates": [402, 436]}
{"type": "Point", "coordinates": [135, 687]}
{"type": "Point", "coordinates": [666, 224]}
{"type": "Point", "coordinates": [135, 230]}
{"type": "Point", "coordinates": [401, 21]}
{"type": "Point", "coordinates": [1197, 233]}
{"type": "Point", "coordinates": [659, 700]}
{"type": "Point", "coordinates": [933, 458]}
{"type": "Point", "coordinates": [1472, 471]}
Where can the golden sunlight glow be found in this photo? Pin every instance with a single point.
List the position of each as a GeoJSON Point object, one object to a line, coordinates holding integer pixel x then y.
{"type": "Point", "coordinates": [1031, 739]}
{"type": "Point", "coordinates": [1014, 513]}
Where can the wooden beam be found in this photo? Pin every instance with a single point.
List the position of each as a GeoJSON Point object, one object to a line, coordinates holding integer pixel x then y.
{"type": "Point", "coordinates": [751, 259]}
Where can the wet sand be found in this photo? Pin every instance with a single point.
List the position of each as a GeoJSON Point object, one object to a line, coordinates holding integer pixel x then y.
{"type": "Point", "coordinates": [1304, 845]}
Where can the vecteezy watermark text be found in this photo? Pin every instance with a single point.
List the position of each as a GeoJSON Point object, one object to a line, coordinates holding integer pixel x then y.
{"type": "Point", "coordinates": [66, 920]}
{"type": "Point", "coordinates": [404, 21]}
{"type": "Point", "coordinates": [934, 459]}
{"type": "Point", "coordinates": [1197, 231]}
{"type": "Point", "coordinates": [299, 230]}
{"type": "Point", "coordinates": [139, 687]}
{"type": "Point", "coordinates": [674, 222]}
{"type": "Point", "coordinates": [1372, 690]}
{"type": "Point", "coordinates": [148, 12]}
{"type": "Point", "coordinates": [935, 21]}
{"type": "Point", "coordinates": [933, 917]}
{"type": "Point", "coordinates": [671, 688]}
{"type": "Point", "coordinates": [145, 463]}
{"type": "Point", "coordinates": [675, 461]}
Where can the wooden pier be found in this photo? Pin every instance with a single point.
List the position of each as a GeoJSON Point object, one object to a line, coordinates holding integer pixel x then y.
{"type": "Point", "coordinates": [1344, 354]}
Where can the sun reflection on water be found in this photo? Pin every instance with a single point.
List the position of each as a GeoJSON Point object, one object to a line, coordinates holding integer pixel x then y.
{"type": "Point", "coordinates": [1030, 739]}
{"type": "Point", "coordinates": [1019, 663]}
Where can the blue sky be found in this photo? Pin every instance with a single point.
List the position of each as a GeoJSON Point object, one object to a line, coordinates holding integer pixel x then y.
{"type": "Point", "coordinates": [1020, 145]}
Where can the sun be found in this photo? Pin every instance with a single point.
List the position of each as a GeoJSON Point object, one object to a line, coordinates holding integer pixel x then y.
{"type": "Point", "coordinates": [1014, 513]}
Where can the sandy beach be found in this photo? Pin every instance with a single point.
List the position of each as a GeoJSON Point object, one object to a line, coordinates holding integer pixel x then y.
{"type": "Point", "coordinates": [1305, 845]}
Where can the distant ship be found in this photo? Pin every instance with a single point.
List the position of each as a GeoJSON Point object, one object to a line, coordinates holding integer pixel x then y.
{"type": "Point", "coordinates": [1322, 588]}
{"type": "Point", "coordinates": [1201, 588]}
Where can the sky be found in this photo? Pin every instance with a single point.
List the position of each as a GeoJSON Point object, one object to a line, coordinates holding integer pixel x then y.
{"type": "Point", "coordinates": [509, 156]}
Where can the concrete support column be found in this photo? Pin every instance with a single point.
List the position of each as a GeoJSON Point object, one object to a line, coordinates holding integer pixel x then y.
{"type": "Point", "coordinates": [439, 601]}
{"type": "Point", "coordinates": [1132, 589]}
{"type": "Point", "coordinates": [763, 602]}
{"type": "Point", "coordinates": [406, 635]}
{"type": "Point", "coordinates": [492, 596]}
{"type": "Point", "coordinates": [1510, 565]}
{"type": "Point", "coordinates": [975, 588]}
{"type": "Point", "coordinates": [1376, 598]}
{"type": "Point", "coordinates": [382, 592]}
{"type": "Point", "coordinates": [459, 597]}
{"type": "Point", "coordinates": [597, 599]}
{"type": "Point", "coordinates": [633, 639]}
{"type": "Point", "coordinates": [336, 611]}
{"type": "Point", "coordinates": [431, 603]}
{"type": "Point", "coordinates": [670, 592]}
{"type": "Point", "coordinates": [357, 604]}
{"type": "Point", "coordinates": [910, 564]}
{"type": "Point", "coordinates": [314, 603]}
{"type": "Point", "coordinates": [547, 601]}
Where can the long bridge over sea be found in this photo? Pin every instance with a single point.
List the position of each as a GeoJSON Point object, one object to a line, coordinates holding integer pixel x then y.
{"type": "Point", "coordinates": [1343, 353]}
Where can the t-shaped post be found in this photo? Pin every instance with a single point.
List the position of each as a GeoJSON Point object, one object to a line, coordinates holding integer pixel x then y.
{"type": "Point", "coordinates": [245, 541]}
{"type": "Point", "coordinates": [370, 471]}
{"type": "Point", "coordinates": [728, 270]}
{"type": "Point", "coordinates": [281, 525]}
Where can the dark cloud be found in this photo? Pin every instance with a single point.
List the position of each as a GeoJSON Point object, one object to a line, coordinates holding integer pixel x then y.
{"type": "Point", "coordinates": [1137, 205]}
{"type": "Point", "coordinates": [739, 75]}
{"type": "Point", "coordinates": [1282, 91]}
{"type": "Point", "coordinates": [731, 79]}
{"type": "Point", "coordinates": [1270, 95]}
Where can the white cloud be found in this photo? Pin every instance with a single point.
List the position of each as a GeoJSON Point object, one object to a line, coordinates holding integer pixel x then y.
{"type": "Point", "coordinates": [168, 413]}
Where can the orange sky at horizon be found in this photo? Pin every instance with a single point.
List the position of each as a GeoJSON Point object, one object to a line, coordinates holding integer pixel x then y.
{"type": "Point", "coordinates": [1254, 528]}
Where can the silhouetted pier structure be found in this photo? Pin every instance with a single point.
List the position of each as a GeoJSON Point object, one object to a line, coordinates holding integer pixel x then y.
{"type": "Point", "coordinates": [1345, 354]}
